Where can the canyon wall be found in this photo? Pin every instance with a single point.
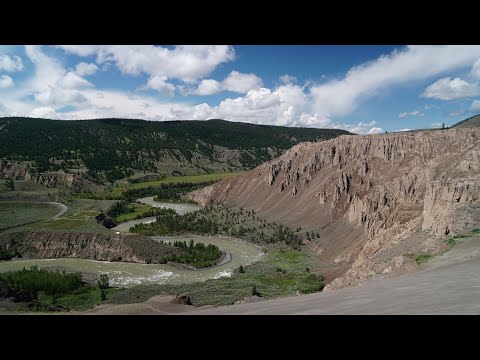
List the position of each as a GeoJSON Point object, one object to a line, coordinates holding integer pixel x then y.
{"type": "Point", "coordinates": [375, 199]}
{"type": "Point", "coordinates": [46, 245]}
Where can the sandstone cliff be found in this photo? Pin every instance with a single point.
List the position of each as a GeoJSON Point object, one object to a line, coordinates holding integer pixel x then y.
{"type": "Point", "coordinates": [138, 249]}
{"type": "Point", "coordinates": [374, 199]}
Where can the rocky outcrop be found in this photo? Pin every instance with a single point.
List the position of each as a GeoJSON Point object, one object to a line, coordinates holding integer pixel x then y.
{"type": "Point", "coordinates": [12, 170]}
{"type": "Point", "coordinates": [182, 299]}
{"type": "Point", "coordinates": [138, 249]}
{"type": "Point", "coordinates": [374, 199]}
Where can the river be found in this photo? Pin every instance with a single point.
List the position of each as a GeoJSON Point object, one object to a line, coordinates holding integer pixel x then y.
{"type": "Point", "coordinates": [180, 208]}
{"type": "Point", "coordinates": [130, 274]}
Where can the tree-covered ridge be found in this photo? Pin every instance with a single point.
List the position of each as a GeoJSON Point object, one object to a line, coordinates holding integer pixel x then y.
{"type": "Point", "coordinates": [213, 220]}
{"type": "Point", "coordinates": [113, 148]}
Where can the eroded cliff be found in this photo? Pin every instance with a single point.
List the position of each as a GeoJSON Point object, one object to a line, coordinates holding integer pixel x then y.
{"type": "Point", "coordinates": [375, 199]}
{"type": "Point", "coordinates": [138, 249]}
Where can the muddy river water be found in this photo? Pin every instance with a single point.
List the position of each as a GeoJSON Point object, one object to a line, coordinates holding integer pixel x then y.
{"type": "Point", "coordinates": [130, 274]}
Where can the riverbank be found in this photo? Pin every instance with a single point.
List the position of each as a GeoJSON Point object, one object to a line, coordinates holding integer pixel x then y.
{"type": "Point", "coordinates": [125, 274]}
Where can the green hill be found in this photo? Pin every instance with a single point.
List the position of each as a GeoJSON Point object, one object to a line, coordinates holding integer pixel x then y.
{"type": "Point", "coordinates": [473, 121]}
{"type": "Point", "coordinates": [110, 149]}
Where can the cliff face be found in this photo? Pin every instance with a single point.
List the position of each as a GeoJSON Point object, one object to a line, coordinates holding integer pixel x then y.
{"type": "Point", "coordinates": [138, 249]}
{"type": "Point", "coordinates": [13, 170]}
{"type": "Point", "coordinates": [374, 199]}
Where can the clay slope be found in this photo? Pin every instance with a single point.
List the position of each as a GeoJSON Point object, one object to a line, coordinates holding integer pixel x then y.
{"type": "Point", "coordinates": [375, 199]}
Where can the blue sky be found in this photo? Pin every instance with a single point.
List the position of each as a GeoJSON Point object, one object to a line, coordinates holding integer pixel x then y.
{"type": "Point", "coordinates": [364, 89]}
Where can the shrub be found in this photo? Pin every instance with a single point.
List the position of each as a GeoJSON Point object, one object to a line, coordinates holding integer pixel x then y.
{"type": "Point", "coordinates": [103, 282]}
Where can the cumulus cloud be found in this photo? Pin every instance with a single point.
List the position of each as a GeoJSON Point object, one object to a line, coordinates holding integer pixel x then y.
{"type": "Point", "coordinates": [236, 82]}
{"type": "Point", "coordinates": [160, 84]}
{"type": "Point", "coordinates": [6, 82]}
{"type": "Point", "coordinates": [288, 79]}
{"type": "Point", "coordinates": [411, 113]}
{"type": "Point", "coordinates": [375, 130]}
{"type": "Point", "coordinates": [84, 69]}
{"type": "Point", "coordinates": [340, 97]}
{"type": "Point", "coordinates": [475, 107]}
{"type": "Point", "coordinates": [44, 112]}
{"type": "Point", "coordinates": [402, 130]}
{"type": "Point", "coordinates": [52, 87]}
{"type": "Point", "coordinates": [450, 89]}
{"type": "Point", "coordinates": [188, 63]}
{"type": "Point", "coordinates": [10, 63]}
{"type": "Point", "coordinates": [208, 87]}
{"type": "Point", "coordinates": [73, 81]}
{"type": "Point", "coordinates": [475, 72]}
{"type": "Point", "coordinates": [241, 83]}
{"type": "Point", "coordinates": [51, 84]}
{"type": "Point", "coordinates": [361, 127]}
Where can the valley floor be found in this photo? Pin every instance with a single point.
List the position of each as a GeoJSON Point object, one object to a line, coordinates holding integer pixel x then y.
{"type": "Point", "coordinates": [448, 284]}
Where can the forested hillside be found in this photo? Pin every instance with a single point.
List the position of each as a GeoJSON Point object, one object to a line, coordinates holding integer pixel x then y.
{"type": "Point", "coordinates": [110, 149]}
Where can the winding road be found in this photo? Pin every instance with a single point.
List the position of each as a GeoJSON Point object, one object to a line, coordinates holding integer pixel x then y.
{"type": "Point", "coordinates": [63, 209]}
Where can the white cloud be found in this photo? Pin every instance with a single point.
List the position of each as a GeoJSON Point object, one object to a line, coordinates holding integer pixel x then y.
{"type": "Point", "coordinates": [160, 84]}
{"type": "Point", "coordinates": [402, 130]}
{"type": "Point", "coordinates": [44, 112]}
{"type": "Point", "coordinates": [375, 130]}
{"type": "Point", "coordinates": [360, 128]}
{"type": "Point", "coordinates": [450, 89]}
{"type": "Point", "coordinates": [4, 111]}
{"type": "Point", "coordinates": [208, 87]}
{"type": "Point", "coordinates": [475, 107]}
{"type": "Point", "coordinates": [10, 64]}
{"type": "Point", "coordinates": [235, 82]}
{"type": "Point", "coordinates": [436, 125]}
{"type": "Point", "coordinates": [475, 72]}
{"type": "Point", "coordinates": [51, 85]}
{"type": "Point", "coordinates": [188, 63]}
{"type": "Point", "coordinates": [411, 113]}
{"type": "Point", "coordinates": [288, 79]}
{"type": "Point", "coordinates": [73, 81]}
{"type": "Point", "coordinates": [289, 104]}
{"type": "Point", "coordinates": [83, 69]}
{"type": "Point", "coordinates": [6, 82]}
{"type": "Point", "coordinates": [341, 97]}
{"type": "Point", "coordinates": [241, 83]}
{"type": "Point", "coordinates": [454, 114]}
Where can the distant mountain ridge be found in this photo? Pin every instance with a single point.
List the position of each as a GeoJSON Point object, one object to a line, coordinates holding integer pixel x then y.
{"type": "Point", "coordinates": [473, 121]}
{"type": "Point", "coordinates": [105, 150]}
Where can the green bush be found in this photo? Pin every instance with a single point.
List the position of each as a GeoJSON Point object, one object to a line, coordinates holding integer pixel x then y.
{"type": "Point", "coordinates": [35, 279]}
{"type": "Point", "coordinates": [103, 282]}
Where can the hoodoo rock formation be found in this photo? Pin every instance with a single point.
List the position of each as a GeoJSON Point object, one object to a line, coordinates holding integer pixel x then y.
{"type": "Point", "coordinates": [374, 199]}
